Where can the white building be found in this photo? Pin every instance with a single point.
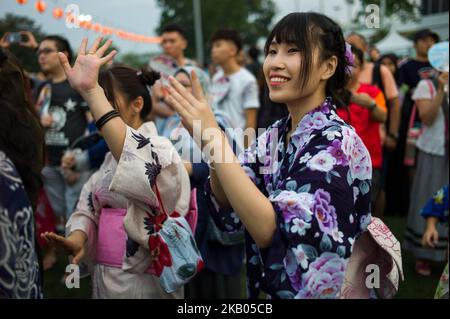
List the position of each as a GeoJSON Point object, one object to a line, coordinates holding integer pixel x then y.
{"type": "Point", "coordinates": [433, 14]}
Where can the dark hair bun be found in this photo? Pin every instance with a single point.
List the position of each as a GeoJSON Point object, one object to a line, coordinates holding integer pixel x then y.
{"type": "Point", "coordinates": [148, 77]}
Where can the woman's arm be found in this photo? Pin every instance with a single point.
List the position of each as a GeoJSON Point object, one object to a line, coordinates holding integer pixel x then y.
{"type": "Point", "coordinates": [394, 123]}
{"type": "Point", "coordinates": [364, 100]}
{"type": "Point", "coordinates": [229, 180]}
{"type": "Point", "coordinates": [429, 109]}
{"type": "Point", "coordinates": [378, 114]}
{"type": "Point", "coordinates": [82, 225]}
{"type": "Point", "coordinates": [232, 186]}
{"type": "Point", "coordinates": [217, 190]}
{"type": "Point", "coordinates": [113, 131]}
{"type": "Point", "coordinates": [83, 77]}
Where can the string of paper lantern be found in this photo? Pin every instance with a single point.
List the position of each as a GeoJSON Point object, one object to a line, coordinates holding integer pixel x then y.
{"type": "Point", "coordinates": [58, 13]}
{"type": "Point", "coordinates": [85, 21]}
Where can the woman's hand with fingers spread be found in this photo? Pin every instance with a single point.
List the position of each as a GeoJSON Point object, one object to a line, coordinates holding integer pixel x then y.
{"type": "Point", "coordinates": [74, 244]}
{"type": "Point", "coordinates": [83, 76]}
{"type": "Point", "coordinates": [193, 109]}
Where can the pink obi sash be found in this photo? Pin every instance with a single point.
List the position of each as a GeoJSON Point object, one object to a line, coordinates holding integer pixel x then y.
{"type": "Point", "coordinates": [111, 238]}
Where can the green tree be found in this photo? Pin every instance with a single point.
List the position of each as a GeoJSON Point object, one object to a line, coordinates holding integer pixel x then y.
{"type": "Point", "coordinates": [252, 18]}
{"type": "Point", "coordinates": [406, 10]}
{"type": "Point", "coordinates": [15, 23]}
{"type": "Point", "coordinates": [378, 36]}
{"type": "Point", "coordinates": [135, 60]}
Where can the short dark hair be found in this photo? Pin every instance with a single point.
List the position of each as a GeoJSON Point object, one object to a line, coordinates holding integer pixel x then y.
{"type": "Point", "coordinates": [62, 44]}
{"type": "Point", "coordinates": [394, 59]}
{"type": "Point", "coordinates": [254, 52]}
{"type": "Point", "coordinates": [359, 35]}
{"type": "Point", "coordinates": [229, 35]}
{"type": "Point", "coordinates": [21, 136]}
{"type": "Point", "coordinates": [425, 33]}
{"type": "Point", "coordinates": [174, 28]}
{"type": "Point", "coordinates": [359, 54]}
{"type": "Point", "coordinates": [391, 56]}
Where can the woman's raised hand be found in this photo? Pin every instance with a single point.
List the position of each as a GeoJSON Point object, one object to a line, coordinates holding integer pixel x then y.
{"type": "Point", "coordinates": [83, 76]}
{"type": "Point", "coordinates": [192, 108]}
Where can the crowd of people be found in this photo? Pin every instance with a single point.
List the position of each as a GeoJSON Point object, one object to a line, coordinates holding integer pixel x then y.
{"type": "Point", "coordinates": [167, 180]}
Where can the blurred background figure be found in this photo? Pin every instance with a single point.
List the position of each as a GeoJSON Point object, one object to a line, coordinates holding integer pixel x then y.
{"type": "Point", "coordinates": [366, 112]}
{"type": "Point", "coordinates": [174, 42]}
{"type": "Point", "coordinates": [436, 211]}
{"type": "Point", "coordinates": [374, 54]}
{"type": "Point", "coordinates": [21, 161]}
{"type": "Point", "coordinates": [380, 76]}
{"type": "Point", "coordinates": [234, 89]}
{"type": "Point", "coordinates": [411, 71]}
{"type": "Point", "coordinates": [253, 64]}
{"type": "Point", "coordinates": [431, 171]}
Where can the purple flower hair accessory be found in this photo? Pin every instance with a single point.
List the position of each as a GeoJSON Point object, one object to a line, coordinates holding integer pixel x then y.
{"type": "Point", "coordinates": [349, 57]}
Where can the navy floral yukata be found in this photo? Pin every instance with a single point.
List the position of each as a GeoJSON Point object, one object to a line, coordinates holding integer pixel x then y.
{"type": "Point", "coordinates": [320, 190]}
{"type": "Point", "coordinates": [19, 268]}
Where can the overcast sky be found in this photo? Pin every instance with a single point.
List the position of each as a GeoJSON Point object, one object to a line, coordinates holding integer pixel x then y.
{"type": "Point", "coordinates": [140, 17]}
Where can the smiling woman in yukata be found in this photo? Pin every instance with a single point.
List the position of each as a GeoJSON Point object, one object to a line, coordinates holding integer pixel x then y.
{"type": "Point", "coordinates": [302, 192]}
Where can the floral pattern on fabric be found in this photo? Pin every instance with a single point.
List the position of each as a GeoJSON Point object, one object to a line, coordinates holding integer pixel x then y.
{"type": "Point", "coordinates": [319, 186]}
{"type": "Point", "coordinates": [19, 268]}
{"type": "Point", "coordinates": [442, 289]}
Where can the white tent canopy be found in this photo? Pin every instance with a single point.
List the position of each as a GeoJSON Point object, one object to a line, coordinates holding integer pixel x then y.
{"type": "Point", "coordinates": [395, 43]}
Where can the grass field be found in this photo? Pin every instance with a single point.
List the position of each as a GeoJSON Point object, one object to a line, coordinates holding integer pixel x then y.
{"type": "Point", "coordinates": [414, 286]}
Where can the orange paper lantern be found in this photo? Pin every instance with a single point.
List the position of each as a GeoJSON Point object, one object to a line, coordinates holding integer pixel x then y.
{"type": "Point", "coordinates": [97, 27]}
{"type": "Point", "coordinates": [83, 24]}
{"type": "Point", "coordinates": [58, 13]}
{"type": "Point", "coordinates": [22, 1]}
{"type": "Point", "coordinates": [40, 6]}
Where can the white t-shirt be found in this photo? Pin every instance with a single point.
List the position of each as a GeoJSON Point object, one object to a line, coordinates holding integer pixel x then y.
{"type": "Point", "coordinates": [234, 94]}
{"type": "Point", "coordinates": [432, 139]}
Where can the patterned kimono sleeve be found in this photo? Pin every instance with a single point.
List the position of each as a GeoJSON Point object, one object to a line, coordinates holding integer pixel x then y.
{"type": "Point", "coordinates": [85, 217]}
{"type": "Point", "coordinates": [225, 218]}
{"type": "Point", "coordinates": [437, 206]}
{"type": "Point", "coordinates": [149, 162]}
{"type": "Point", "coordinates": [321, 208]}
{"type": "Point", "coordinates": [8, 233]}
{"type": "Point", "coordinates": [19, 268]}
